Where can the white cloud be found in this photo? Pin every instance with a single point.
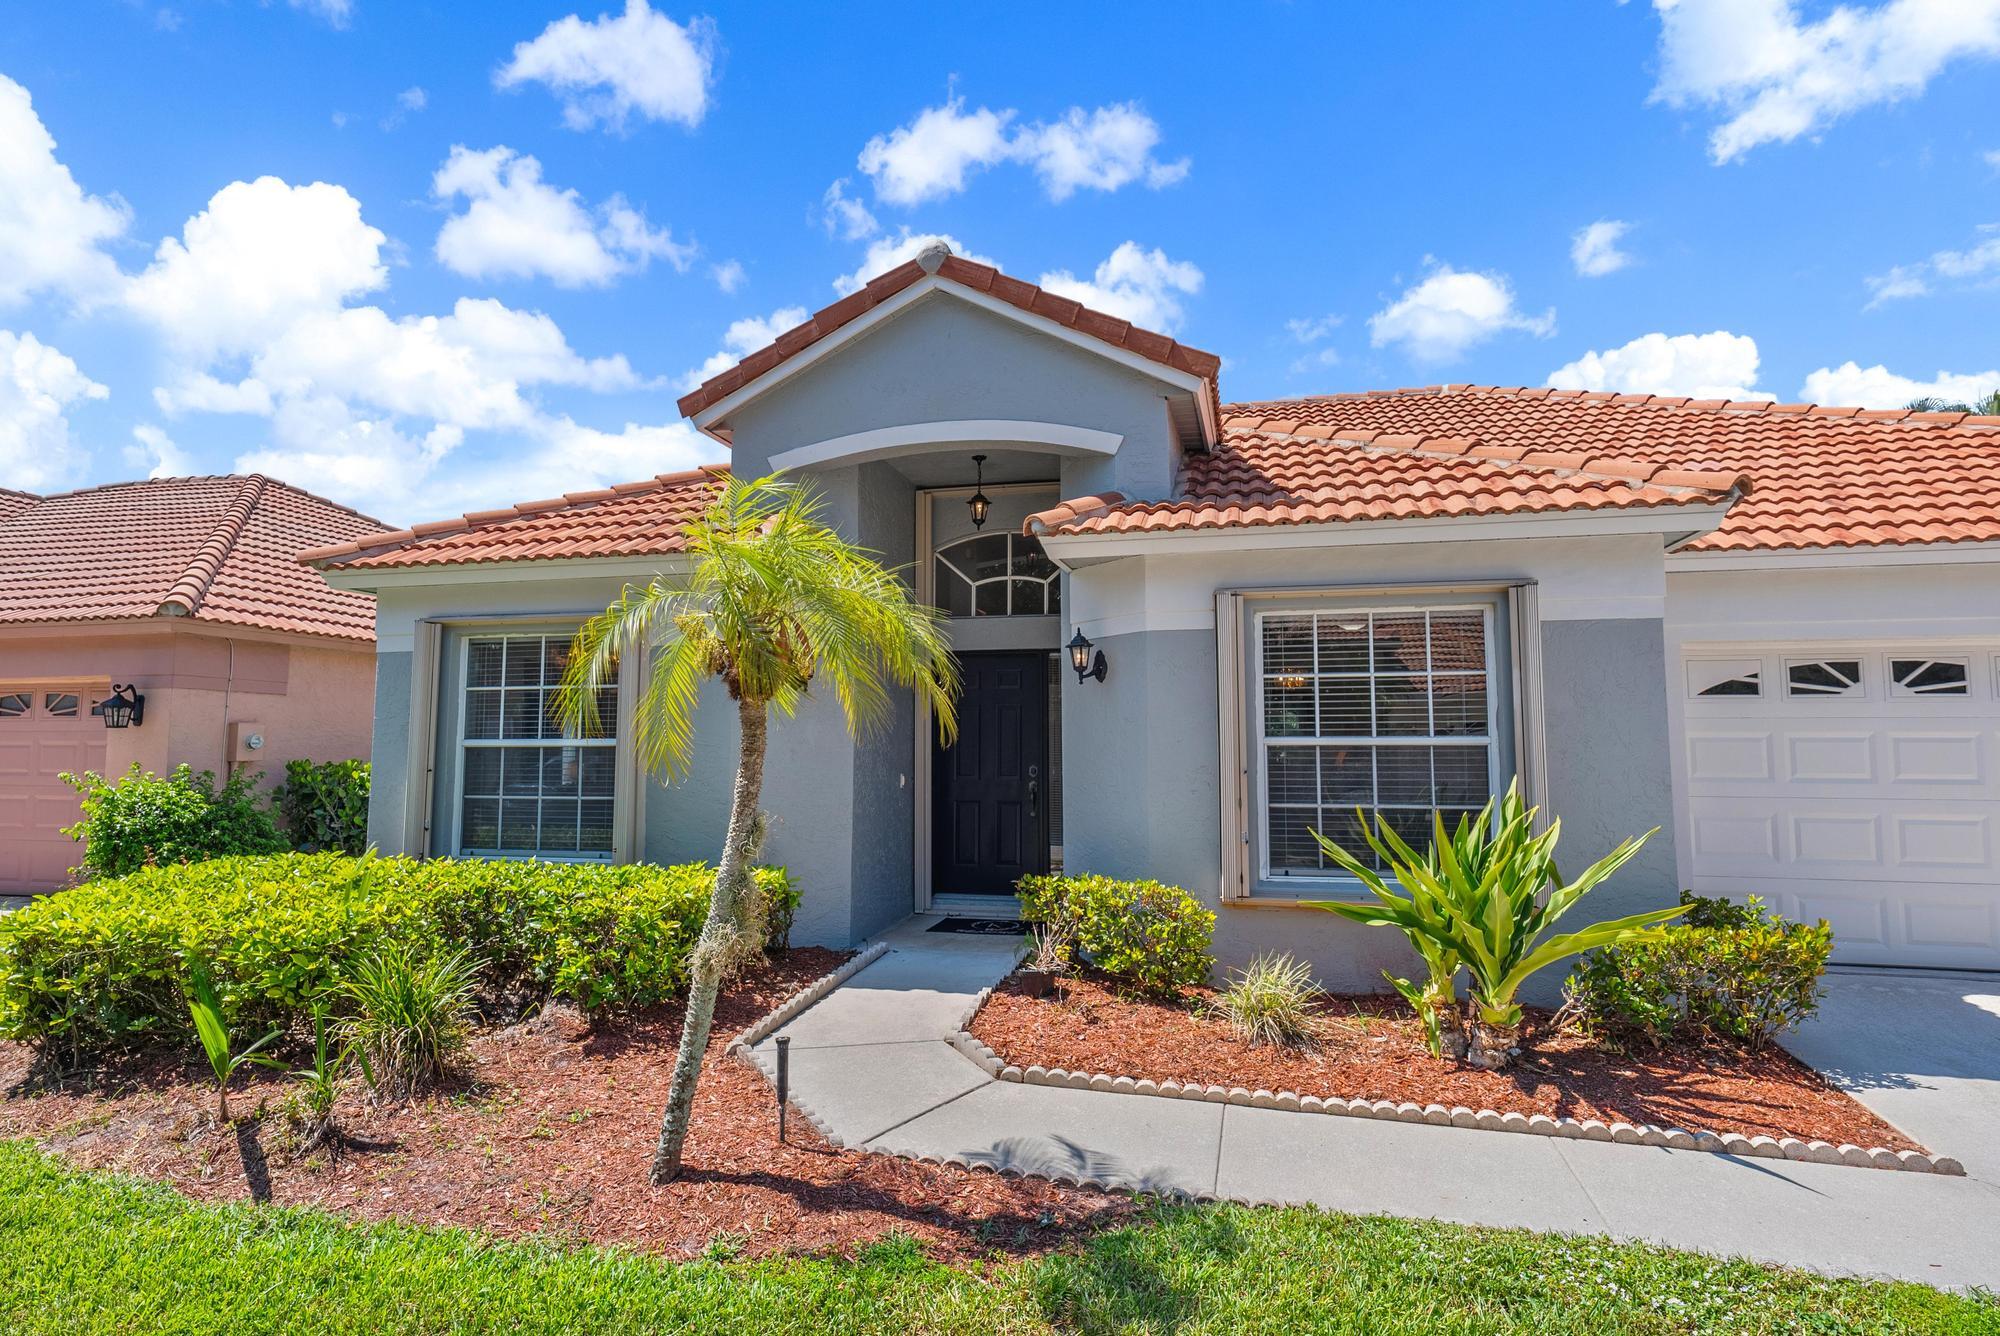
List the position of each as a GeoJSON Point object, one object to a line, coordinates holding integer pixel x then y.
{"type": "Point", "coordinates": [1311, 329]}
{"type": "Point", "coordinates": [1992, 158]}
{"type": "Point", "coordinates": [199, 392]}
{"type": "Point", "coordinates": [38, 385]}
{"type": "Point", "coordinates": [1853, 385]}
{"type": "Point", "coordinates": [413, 98]}
{"type": "Point", "coordinates": [931, 157]}
{"type": "Point", "coordinates": [729, 275]}
{"type": "Point", "coordinates": [1976, 265]}
{"type": "Point", "coordinates": [516, 225]}
{"type": "Point", "coordinates": [1776, 78]}
{"type": "Point", "coordinates": [1720, 365]}
{"type": "Point", "coordinates": [610, 68]}
{"type": "Point", "coordinates": [1594, 249]}
{"type": "Point", "coordinates": [1098, 150]}
{"type": "Point", "coordinates": [1450, 311]}
{"type": "Point", "coordinates": [363, 405]}
{"type": "Point", "coordinates": [337, 13]}
{"type": "Point", "coordinates": [51, 232]}
{"type": "Point", "coordinates": [155, 452]}
{"type": "Point", "coordinates": [742, 338]}
{"type": "Point", "coordinates": [843, 217]}
{"type": "Point", "coordinates": [885, 253]}
{"type": "Point", "coordinates": [1315, 361]}
{"type": "Point", "coordinates": [260, 255]}
{"type": "Point", "coordinates": [1142, 286]}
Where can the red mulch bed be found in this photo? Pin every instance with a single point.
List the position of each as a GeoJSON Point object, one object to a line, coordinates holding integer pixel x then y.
{"type": "Point", "coordinates": [551, 1133]}
{"type": "Point", "coordinates": [1371, 1047]}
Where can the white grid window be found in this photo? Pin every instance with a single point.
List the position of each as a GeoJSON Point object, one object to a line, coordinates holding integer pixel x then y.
{"type": "Point", "coordinates": [528, 787]}
{"type": "Point", "coordinates": [1385, 710]}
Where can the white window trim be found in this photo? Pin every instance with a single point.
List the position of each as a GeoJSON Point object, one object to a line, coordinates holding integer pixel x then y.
{"type": "Point", "coordinates": [1239, 788]}
{"type": "Point", "coordinates": [626, 780]}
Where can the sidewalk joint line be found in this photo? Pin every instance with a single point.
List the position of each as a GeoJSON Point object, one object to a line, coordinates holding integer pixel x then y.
{"type": "Point", "coordinates": [905, 1122]}
{"type": "Point", "coordinates": [1221, 1130]}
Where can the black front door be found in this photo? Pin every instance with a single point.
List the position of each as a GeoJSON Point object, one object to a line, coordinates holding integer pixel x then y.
{"type": "Point", "coordinates": [987, 823]}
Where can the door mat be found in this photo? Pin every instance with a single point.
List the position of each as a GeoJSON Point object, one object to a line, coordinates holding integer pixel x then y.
{"type": "Point", "coordinates": [980, 927]}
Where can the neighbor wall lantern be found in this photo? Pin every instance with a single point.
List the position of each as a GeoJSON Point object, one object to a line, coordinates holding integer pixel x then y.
{"type": "Point", "coordinates": [979, 505]}
{"type": "Point", "coordinates": [1081, 660]}
{"type": "Point", "coordinates": [123, 708]}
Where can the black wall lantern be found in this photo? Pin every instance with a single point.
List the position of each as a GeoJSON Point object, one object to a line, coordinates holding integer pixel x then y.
{"type": "Point", "coordinates": [123, 708]}
{"type": "Point", "coordinates": [1080, 659]}
{"type": "Point", "coordinates": [979, 505]}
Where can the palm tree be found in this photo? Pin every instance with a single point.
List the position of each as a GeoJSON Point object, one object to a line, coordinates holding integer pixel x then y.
{"type": "Point", "coordinates": [775, 599]}
{"type": "Point", "coordinates": [1989, 405]}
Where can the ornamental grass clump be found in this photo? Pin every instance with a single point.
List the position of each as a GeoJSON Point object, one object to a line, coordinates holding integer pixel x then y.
{"type": "Point", "coordinates": [1486, 894]}
{"type": "Point", "coordinates": [413, 1013]}
{"type": "Point", "coordinates": [1273, 1002]}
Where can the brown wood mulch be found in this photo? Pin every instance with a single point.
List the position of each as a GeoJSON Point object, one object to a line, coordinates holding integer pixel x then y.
{"type": "Point", "coordinates": [1371, 1047]}
{"type": "Point", "coordinates": [550, 1133]}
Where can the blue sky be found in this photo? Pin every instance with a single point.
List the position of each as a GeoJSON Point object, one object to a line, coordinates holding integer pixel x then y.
{"type": "Point", "coordinates": [425, 258]}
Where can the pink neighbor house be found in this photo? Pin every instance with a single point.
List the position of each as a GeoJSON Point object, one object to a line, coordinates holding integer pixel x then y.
{"type": "Point", "coordinates": [185, 590]}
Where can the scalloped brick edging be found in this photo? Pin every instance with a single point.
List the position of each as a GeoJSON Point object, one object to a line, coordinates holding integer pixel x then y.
{"type": "Point", "coordinates": [779, 1015]}
{"type": "Point", "coordinates": [1486, 1120]}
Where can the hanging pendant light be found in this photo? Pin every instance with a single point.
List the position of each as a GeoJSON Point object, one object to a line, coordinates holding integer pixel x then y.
{"type": "Point", "coordinates": [979, 505]}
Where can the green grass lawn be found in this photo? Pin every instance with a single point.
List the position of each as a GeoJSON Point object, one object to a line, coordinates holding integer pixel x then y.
{"type": "Point", "coordinates": [92, 1253]}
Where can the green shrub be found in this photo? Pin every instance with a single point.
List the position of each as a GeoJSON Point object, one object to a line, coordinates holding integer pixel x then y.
{"type": "Point", "coordinates": [1273, 1001]}
{"type": "Point", "coordinates": [143, 819]}
{"type": "Point", "coordinates": [1150, 937]}
{"type": "Point", "coordinates": [1729, 971]}
{"type": "Point", "coordinates": [325, 807]}
{"type": "Point", "coordinates": [99, 967]}
{"type": "Point", "coordinates": [411, 1016]}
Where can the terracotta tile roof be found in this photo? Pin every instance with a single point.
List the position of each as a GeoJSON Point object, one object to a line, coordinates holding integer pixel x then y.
{"type": "Point", "coordinates": [210, 549]}
{"type": "Point", "coordinates": [981, 278]}
{"type": "Point", "coordinates": [13, 502]}
{"type": "Point", "coordinates": [633, 519]}
{"type": "Point", "coordinates": [1806, 477]}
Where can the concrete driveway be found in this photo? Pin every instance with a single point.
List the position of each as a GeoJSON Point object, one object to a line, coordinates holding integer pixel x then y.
{"type": "Point", "coordinates": [1920, 1049]}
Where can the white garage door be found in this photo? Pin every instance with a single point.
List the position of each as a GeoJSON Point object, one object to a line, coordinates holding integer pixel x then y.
{"type": "Point", "coordinates": [1858, 786]}
{"type": "Point", "coordinates": [44, 731]}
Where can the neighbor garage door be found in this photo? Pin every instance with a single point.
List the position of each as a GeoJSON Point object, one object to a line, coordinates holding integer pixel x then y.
{"type": "Point", "coordinates": [43, 732]}
{"type": "Point", "coordinates": [1858, 786]}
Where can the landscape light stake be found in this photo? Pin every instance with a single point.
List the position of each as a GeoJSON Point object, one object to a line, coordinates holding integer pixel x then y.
{"type": "Point", "coordinates": [784, 1080]}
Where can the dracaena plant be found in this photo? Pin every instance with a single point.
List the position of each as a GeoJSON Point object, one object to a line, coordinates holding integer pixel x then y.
{"type": "Point", "coordinates": [1484, 897]}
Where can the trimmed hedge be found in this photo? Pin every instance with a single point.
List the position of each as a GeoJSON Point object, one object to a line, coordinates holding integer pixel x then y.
{"type": "Point", "coordinates": [1151, 937]}
{"type": "Point", "coordinates": [1728, 971]}
{"type": "Point", "coordinates": [102, 967]}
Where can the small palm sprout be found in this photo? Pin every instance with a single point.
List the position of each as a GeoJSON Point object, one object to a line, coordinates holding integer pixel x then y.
{"type": "Point", "coordinates": [205, 1005]}
{"type": "Point", "coordinates": [773, 603]}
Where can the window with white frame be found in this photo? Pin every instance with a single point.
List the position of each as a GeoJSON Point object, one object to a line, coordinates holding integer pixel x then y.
{"type": "Point", "coordinates": [997, 575]}
{"type": "Point", "coordinates": [1386, 710]}
{"type": "Point", "coordinates": [528, 786]}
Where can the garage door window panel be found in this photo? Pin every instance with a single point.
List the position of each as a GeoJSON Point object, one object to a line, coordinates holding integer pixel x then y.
{"type": "Point", "coordinates": [1823, 677]}
{"type": "Point", "coordinates": [1930, 677]}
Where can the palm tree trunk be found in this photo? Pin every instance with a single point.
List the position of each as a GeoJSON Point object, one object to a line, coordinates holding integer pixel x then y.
{"type": "Point", "coordinates": [719, 940]}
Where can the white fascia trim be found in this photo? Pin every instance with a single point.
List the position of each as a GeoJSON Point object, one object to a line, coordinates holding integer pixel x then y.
{"type": "Point", "coordinates": [925, 437]}
{"type": "Point", "coordinates": [1674, 521]}
{"type": "Point", "coordinates": [497, 572]}
{"type": "Point", "coordinates": [1832, 558]}
{"type": "Point", "coordinates": [861, 325]}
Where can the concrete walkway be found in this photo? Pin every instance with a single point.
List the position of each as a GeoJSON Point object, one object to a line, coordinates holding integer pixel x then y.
{"type": "Point", "coordinates": [871, 1064]}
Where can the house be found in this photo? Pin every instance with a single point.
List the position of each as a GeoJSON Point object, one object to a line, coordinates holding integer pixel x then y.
{"type": "Point", "coordinates": [184, 590]}
{"type": "Point", "coordinates": [1771, 631]}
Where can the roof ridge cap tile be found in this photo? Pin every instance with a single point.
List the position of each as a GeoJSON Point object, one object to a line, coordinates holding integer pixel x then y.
{"type": "Point", "coordinates": [184, 597]}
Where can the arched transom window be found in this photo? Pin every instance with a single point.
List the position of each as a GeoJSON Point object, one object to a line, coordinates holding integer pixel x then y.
{"type": "Point", "coordinates": [996, 575]}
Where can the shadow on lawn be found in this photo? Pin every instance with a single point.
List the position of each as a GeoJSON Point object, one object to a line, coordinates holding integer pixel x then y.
{"type": "Point", "coordinates": [1014, 1230]}
{"type": "Point", "coordinates": [1127, 1278]}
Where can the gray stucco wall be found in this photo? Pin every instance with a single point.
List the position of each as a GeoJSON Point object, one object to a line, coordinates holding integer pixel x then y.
{"type": "Point", "coordinates": [1610, 755]}
{"type": "Point", "coordinates": [1141, 753]}
{"type": "Point", "coordinates": [388, 784]}
{"type": "Point", "coordinates": [945, 360]}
